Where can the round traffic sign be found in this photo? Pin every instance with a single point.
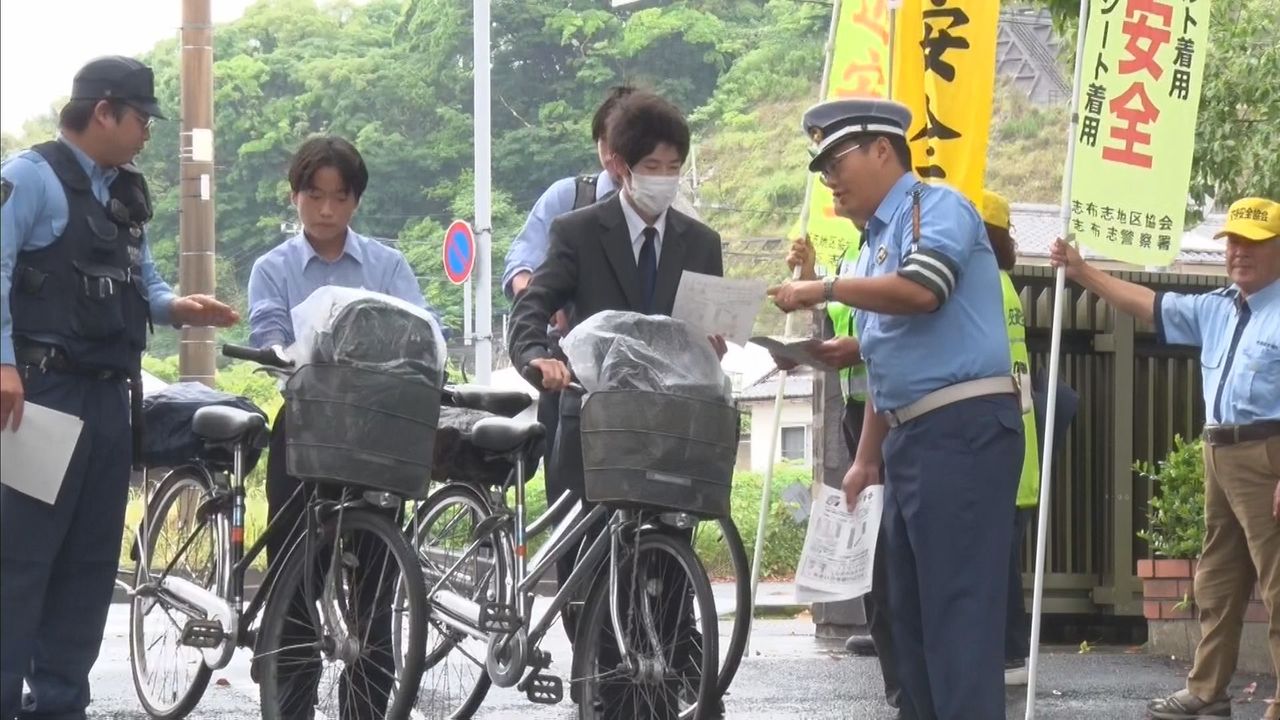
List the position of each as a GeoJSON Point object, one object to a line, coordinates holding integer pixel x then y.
{"type": "Point", "coordinates": [459, 252]}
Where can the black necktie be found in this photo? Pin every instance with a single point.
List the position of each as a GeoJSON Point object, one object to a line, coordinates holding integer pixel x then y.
{"type": "Point", "coordinates": [648, 265]}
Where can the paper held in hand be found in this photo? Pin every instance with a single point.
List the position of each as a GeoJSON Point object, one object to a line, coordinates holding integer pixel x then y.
{"type": "Point", "coordinates": [798, 351]}
{"type": "Point", "coordinates": [34, 459]}
{"type": "Point", "coordinates": [840, 546]}
{"type": "Point", "coordinates": [719, 306]}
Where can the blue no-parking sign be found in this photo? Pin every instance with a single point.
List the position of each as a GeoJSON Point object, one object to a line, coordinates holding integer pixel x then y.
{"type": "Point", "coordinates": [459, 252]}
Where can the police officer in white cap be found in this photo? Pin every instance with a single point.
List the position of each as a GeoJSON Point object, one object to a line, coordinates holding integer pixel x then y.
{"type": "Point", "coordinates": [944, 419]}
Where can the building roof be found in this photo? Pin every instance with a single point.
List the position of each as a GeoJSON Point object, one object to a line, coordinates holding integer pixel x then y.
{"type": "Point", "coordinates": [798, 386]}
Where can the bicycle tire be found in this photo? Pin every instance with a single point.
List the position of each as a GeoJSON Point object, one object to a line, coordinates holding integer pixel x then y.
{"type": "Point", "coordinates": [732, 656]}
{"type": "Point", "coordinates": [288, 587]}
{"type": "Point", "coordinates": [596, 616]}
{"type": "Point", "coordinates": [185, 699]}
{"type": "Point", "coordinates": [438, 703]}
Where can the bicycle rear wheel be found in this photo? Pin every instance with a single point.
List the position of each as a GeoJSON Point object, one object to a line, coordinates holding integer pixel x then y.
{"type": "Point", "coordinates": [191, 544]}
{"type": "Point", "coordinates": [672, 672]}
{"type": "Point", "coordinates": [325, 646]}
{"type": "Point", "coordinates": [719, 546]}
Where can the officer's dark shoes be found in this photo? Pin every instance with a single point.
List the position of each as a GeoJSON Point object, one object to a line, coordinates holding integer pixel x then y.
{"type": "Point", "coordinates": [861, 645]}
{"type": "Point", "coordinates": [1182, 705]}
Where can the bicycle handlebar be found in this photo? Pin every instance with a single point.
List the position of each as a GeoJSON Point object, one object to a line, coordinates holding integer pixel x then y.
{"type": "Point", "coordinates": [270, 356]}
{"type": "Point", "coordinates": [533, 376]}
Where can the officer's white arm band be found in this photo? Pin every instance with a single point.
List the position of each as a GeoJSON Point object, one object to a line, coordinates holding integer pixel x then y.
{"type": "Point", "coordinates": [932, 269]}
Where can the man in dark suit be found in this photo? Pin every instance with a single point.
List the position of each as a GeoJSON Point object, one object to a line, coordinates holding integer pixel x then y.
{"type": "Point", "coordinates": [626, 253]}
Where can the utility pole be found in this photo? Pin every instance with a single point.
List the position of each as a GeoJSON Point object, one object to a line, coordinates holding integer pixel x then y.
{"type": "Point", "coordinates": [195, 219]}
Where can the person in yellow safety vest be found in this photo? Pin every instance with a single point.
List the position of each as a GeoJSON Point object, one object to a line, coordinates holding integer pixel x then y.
{"type": "Point", "coordinates": [1017, 646]}
{"type": "Point", "coordinates": [843, 352]}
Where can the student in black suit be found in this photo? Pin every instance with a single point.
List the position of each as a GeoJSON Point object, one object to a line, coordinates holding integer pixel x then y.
{"type": "Point", "coordinates": [625, 253]}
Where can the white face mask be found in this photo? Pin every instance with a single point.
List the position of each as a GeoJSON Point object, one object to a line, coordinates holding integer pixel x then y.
{"type": "Point", "coordinates": [653, 194]}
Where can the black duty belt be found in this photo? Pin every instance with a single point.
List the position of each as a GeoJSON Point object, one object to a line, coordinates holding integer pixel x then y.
{"type": "Point", "coordinates": [1235, 434]}
{"type": "Point", "coordinates": [51, 358]}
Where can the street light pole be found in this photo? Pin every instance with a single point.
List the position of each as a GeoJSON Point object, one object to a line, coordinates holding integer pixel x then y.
{"type": "Point", "coordinates": [196, 269]}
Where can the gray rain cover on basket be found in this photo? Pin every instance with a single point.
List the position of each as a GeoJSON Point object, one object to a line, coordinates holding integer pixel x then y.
{"type": "Point", "coordinates": [363, 328]}
{"type": "Point", "coordinates": [616, 350]}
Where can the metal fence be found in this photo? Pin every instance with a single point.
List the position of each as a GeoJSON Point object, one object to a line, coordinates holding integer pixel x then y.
{"type": "Point", "coordinates": [1135, 395]}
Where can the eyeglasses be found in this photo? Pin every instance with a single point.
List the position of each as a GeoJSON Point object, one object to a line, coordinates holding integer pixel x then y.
{"type": "Point", "coordinates": [147, 120]}
{"type": "Point", "coordinates": [829, 170]}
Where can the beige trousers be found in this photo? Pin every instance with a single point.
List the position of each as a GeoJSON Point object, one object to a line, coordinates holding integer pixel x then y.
{"type": "Point", "coordinates": [1241, 546]}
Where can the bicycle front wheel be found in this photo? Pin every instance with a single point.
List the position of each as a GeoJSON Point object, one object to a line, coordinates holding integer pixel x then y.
{"type": "Point", "coordinates": [326, 647]}
{"type": "Point", "coordinates": [182, 540]}
{"type": "Point", "coordinates": [666, 614]}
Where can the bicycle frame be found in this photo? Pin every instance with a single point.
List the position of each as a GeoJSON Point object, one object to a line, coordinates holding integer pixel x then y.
{"type": "Point", "coordinates": [233, 572]}
{"type": "Point", "coordinates": [569, 522]}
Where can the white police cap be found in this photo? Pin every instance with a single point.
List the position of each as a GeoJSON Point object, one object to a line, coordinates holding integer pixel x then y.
{"type": "Point", "coordinates": [830, 122]}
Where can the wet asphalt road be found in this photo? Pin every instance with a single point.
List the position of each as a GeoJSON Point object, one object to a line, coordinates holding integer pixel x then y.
{"type": "Point", "coordinates": [788, 674]}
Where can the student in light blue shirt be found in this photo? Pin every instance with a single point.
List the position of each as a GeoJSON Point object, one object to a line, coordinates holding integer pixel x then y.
{"type": "Point", "coordinates": [529, 249]}
{"type": "Point", "coordinates": [327, 178]}
{"type": "Point", "coordinates": [1238, 331]}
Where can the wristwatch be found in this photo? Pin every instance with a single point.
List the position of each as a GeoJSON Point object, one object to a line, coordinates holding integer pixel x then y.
{"type": "Point", "coordinates": [828, 288]}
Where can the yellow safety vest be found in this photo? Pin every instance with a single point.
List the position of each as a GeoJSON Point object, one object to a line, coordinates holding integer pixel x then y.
{"type": "Point", "coordinates": [1029, 484]}
{"type": "Point", "coordinates": [853, 380]}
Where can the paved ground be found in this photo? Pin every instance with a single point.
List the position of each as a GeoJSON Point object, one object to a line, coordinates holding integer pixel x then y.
{"type": "Point", "coordinates": [788, 674]}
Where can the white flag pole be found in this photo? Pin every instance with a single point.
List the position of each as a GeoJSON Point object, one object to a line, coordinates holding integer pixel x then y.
{"type": "Point", "coordinates": [766, 491]}
{"type": "Point", "coordinates": [1055, 348]}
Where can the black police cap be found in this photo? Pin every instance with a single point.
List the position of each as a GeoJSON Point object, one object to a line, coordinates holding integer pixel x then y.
{"type": "Point", "coordinates": [116, 77]}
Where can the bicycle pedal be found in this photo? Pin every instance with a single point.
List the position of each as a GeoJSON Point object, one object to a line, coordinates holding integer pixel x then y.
{"type": "Point", "coordinates": [499, 618]}
{"type": "Point", "coordinates": [544, 689]}
{"type": "Point", "coordinates": [203, 634]}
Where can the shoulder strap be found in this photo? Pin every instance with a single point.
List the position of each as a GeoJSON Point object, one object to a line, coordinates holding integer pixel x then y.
{"type": "Point", "coordinates": [585, 195]}
{"type": "Point", "coordinates": [64, 164]}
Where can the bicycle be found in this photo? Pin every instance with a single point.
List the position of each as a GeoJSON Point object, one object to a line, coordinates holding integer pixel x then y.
{"type": "Point", "coordinates": [464, 525]}
{"type": "Point", "coordinates": [190, 580]}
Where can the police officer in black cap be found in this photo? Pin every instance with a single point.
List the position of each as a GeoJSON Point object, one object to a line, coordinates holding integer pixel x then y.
{"type": "Point", "coordinates": [78, 291]}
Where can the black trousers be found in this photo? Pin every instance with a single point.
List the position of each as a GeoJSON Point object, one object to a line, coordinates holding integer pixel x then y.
{"type": "Point", "coordinates": [876, 602]}
{"type": "Point", "coordinates": [1017, 631]}
{"type": "Point", "coordinates": [372, 582]}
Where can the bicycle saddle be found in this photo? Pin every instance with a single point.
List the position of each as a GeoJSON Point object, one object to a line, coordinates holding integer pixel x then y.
{"type": "Point", "coordinates": [504, 435]}
{"type": "Point", "coordinates": [218, 423]}
{"type": "Point", "coordinates": [507, 403]}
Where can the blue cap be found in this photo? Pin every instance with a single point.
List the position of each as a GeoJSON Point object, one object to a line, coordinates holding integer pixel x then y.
{"type": "Point", "coordinates": [829, 123]}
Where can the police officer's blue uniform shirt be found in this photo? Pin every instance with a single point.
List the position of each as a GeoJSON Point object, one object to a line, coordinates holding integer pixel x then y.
{"type": "Point", "coordinates": [291, 271]}
{"type": "Point", "coordinates": [910, 356]}
{"type": "Point", "coordinates": [529, 249]}
{"type": "Point", "coordinates": [1239, 343]}
{"type": "Point", "coordinates": [35, 214]}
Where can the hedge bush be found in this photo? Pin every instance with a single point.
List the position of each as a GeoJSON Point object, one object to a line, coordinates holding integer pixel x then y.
{"type": "Point", "coordinates": [1175, 513]}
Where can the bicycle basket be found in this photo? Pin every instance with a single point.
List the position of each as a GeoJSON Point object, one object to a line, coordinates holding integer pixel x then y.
{"type": "Point", "coordinates": [659, 451]}
{"type": "Point", "coordinates": [363, 427]}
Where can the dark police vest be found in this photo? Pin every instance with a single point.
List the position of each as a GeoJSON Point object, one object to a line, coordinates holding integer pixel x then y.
{"type": "Point", "coordinates": [86, 289]}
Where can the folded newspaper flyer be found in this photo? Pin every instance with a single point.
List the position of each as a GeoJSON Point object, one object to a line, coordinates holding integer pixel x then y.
{"type": "Point", "coordinates": [840, 546]}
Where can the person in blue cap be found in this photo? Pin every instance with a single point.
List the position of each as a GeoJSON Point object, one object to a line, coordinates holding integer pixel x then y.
{"type": "Point", "coordinates": [78, 290]}
{"type": "Point", "coordinates": [944, 421]}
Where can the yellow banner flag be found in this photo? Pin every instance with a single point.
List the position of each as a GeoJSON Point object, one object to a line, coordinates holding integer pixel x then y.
{"type": "Point", "coordinates": [859, 68]}
{"type": "Point", "coordinates": [1143, 67]}
{"type": "Point", "coordinates": [944, 57]}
